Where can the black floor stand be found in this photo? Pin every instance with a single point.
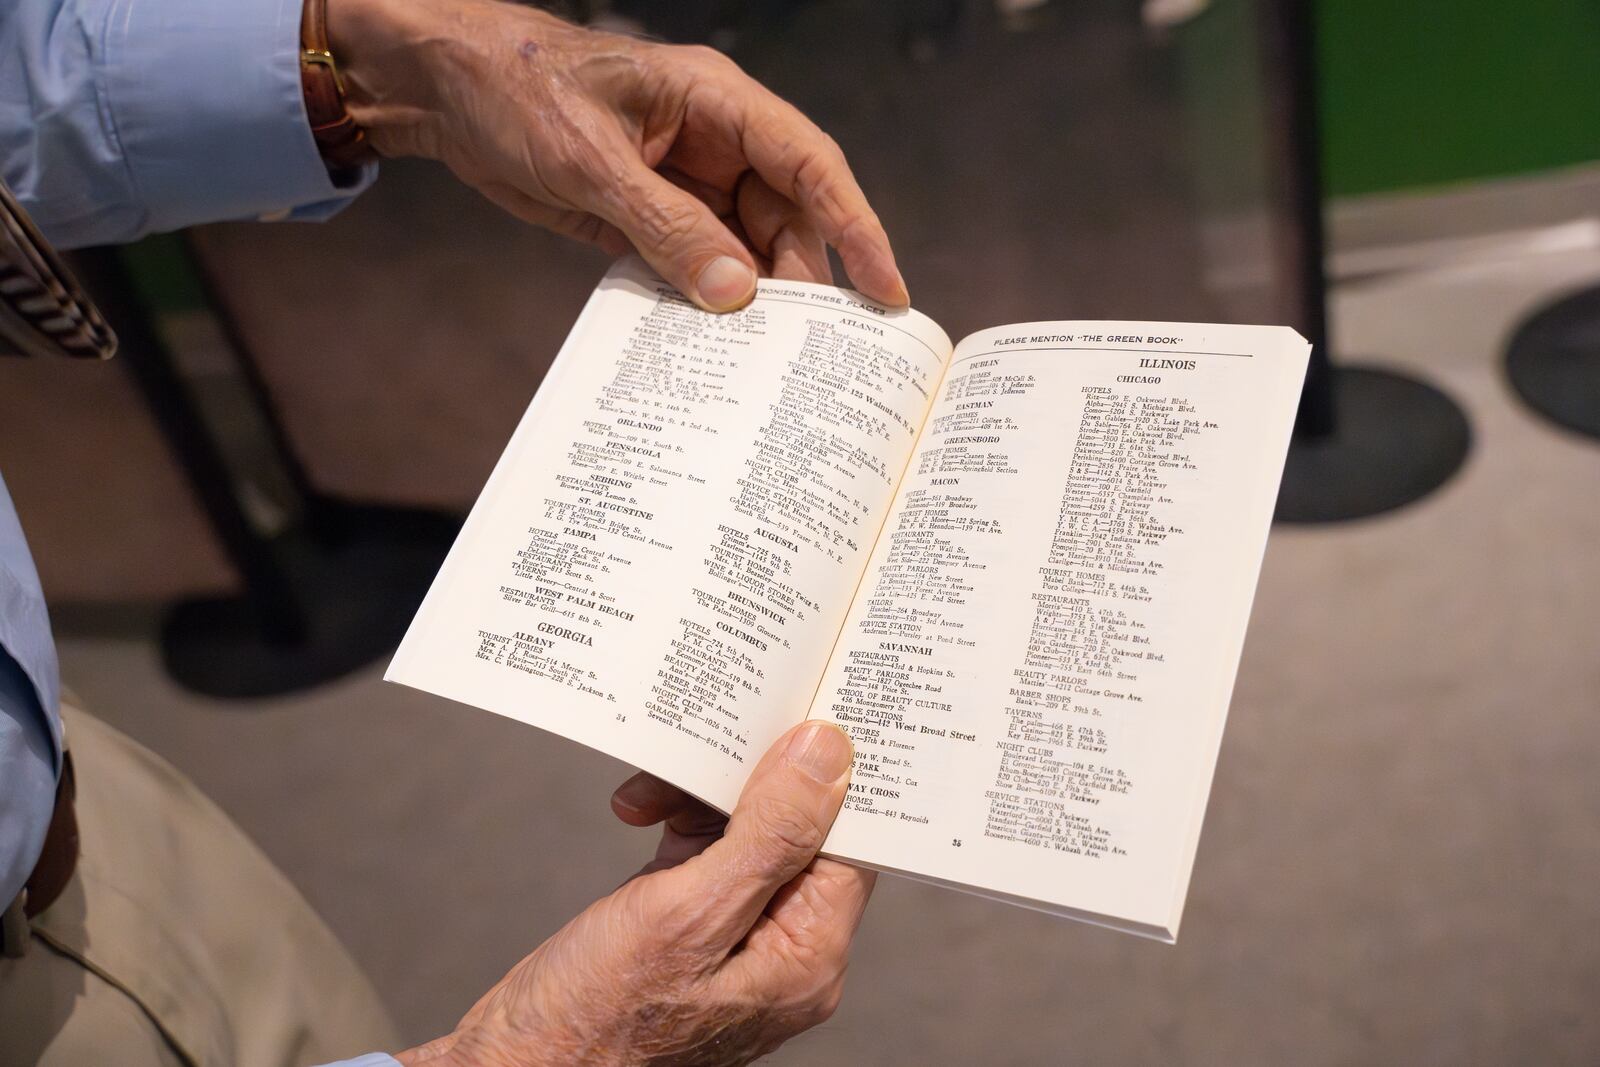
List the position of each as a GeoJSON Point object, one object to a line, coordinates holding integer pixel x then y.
{"type": "Point", "coordinates": [328, 586]}
{"type": "Point", "coordinates": [355, 581]}
{"type": "Point", "coordinates": [1367, 440]}
{"type": "Point", "coordinates": [1397, 440]}
{"type": "Point", "coordinates": [1553, 362]}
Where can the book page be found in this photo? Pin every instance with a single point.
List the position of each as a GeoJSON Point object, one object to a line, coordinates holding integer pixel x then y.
{"type": "Point", "coordinates": [1037, 667]}
{"type": "Point", "coordinates": [663, 556]}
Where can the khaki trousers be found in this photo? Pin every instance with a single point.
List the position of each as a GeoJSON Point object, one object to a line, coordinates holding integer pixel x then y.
{"type": "Point", "coordinates": [177, 943]}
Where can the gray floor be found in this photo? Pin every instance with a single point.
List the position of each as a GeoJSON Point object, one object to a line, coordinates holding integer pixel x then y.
{"type": "Point", "coordinates": [1401, 859]}
{"type": "Point", "coordinates": [1399, 864]}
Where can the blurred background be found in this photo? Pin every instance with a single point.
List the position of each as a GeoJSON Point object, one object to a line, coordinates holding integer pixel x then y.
{"type": "Point", "coordinates": [1401, 860]}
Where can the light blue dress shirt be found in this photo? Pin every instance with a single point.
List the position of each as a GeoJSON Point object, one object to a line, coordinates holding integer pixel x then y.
{"type": "Point", "coordinates": [120, 118]}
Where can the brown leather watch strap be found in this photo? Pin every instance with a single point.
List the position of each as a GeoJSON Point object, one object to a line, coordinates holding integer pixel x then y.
{"type": "Point", "coordinates": [343, 144]}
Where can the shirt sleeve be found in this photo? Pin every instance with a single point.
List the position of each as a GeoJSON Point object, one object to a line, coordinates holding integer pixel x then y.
{"type": "Point", "coordinates": [30, 728]}
{"type": "Point", "coordinates": [125, 117]}
{"type": "Point", "coordinates": [27, 778]}
{"type": "Point", "coordinates": [375, 1059]}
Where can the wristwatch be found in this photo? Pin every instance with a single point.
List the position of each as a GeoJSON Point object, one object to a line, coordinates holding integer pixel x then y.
{"type": "Point", "coordinates": [343, 144]}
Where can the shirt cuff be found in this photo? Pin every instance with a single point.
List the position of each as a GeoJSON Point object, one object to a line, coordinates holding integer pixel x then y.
{"type": "Point", "coordinates": [373, 1059]}
{"type": "Point", "coordinates": [205, 102]}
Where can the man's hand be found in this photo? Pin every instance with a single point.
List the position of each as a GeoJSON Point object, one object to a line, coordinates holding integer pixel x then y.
{"type": "Point", "coordinates": [735, 937]}
{"type": "Point", "coordinates": [717, 959]}
{"type": "Point", "coordinates": [670, 150]}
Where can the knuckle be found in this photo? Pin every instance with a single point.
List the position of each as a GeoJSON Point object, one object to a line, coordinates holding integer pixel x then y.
{"type": "Point", "coordinates": [674, 963]}
{"type": "Point", "coordinates": [652, 905]}
{"type": "Point", "coordinates": [570, 165]}
{"type": "Point", "coordinates": [645, 909]}
{"type": "Point", "coordinates": [665, 223]}
{"type": "Point", "coordinates": [815, 892]}
{"type": "Point", "coordinates": [587, 228]}
{"type": "Point", "coordinates": [575, 176]}
{"type": "Point", "coordinates": [863, 227]}
{"type": "Point", "coordinates": [672, 916]}
{"type": "Point", "coordinates": [811, 173]}
{"type": "Point", "coordinates": [665, 925]}
{"type": "Point", "coordinates": [785, 827]}
{"type": "Point", "coordinates": [575, 163]}
{"type": "Point", "coordinates": [813, 968]}
{"type": "Point", "coordinates": [821, 966]}
{"type": "Point", "coordinates": [826, 1002]}
{"type": "Point", "coordinates": [706, 56]}
{"type": "Point", "coordinates": [816, 177]}
{"type": "Point", "coordinates": [815, 995]}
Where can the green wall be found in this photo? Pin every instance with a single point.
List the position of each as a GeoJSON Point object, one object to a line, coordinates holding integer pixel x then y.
{"type": "Point", "coordinates": [1430, 92]}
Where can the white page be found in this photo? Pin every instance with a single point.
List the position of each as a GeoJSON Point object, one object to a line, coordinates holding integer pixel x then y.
{"type": "Point", "coordinates": [663, 556]}
{"type": "Point", "coordinates": [1037, 668]}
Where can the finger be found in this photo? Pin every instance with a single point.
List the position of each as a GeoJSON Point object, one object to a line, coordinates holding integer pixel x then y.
{"type": "Point", "coordinates": [781, 820]}
{"type": "Point", "coordinates": [698, 820]}
{"type": "Point", "coordinates": [680, 237]}
{"type": "Point", "coordinates": [820, 910]}
{"type": "Point", "coordinates": [809, 925]}
{"type": "Point", "coordinates": [720, 201]}
{"type": "Point", "coordinates": [722, 204]}
{"type": "Point", "coordinates": [804, 164]}
{"type": "Point", "coordinates": [678, 845]}
{"type": "Point", "coordinates": [780, 232]}
{"type": "Point", "coordinates": [645, 800]}
{"type": "Point", "coordinates": [799, 253]}
{"type": "Point", "coordinates": [578, 225]}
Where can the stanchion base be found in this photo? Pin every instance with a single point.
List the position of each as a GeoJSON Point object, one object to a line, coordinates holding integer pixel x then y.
{"type": "Point", "coordinates": [1554, 362]}
{"type": "Point", "coordinates": [1398, 439]}
{"type": "Point", "coordinates": [358, 577]}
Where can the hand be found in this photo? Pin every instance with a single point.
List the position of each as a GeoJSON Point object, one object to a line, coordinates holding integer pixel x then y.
{"type": "Point", "coordinates": [688, 827]}
{"type": "Point", "coordinates": [670, 150]}
{"type": "Point", "coordinates": [715, 956]}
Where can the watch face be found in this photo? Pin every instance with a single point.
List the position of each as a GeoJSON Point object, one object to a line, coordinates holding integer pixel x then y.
{"type": "Point", "coordinates": [43, 310]}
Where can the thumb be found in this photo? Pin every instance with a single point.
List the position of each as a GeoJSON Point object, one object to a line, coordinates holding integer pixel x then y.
{"type": "Point", "coordinates": [682, 239]}
{"type": "Point", "coordinates": [782, 819]}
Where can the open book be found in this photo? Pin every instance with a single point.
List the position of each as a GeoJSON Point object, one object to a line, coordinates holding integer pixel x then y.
{"type": "Point", "coordinates": [1017, 570]}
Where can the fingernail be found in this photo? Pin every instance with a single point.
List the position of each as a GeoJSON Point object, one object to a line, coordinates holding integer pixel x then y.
{"type": "Point", "coordinates": [635, 793]}
{"type": "Point", "coordinates": [905, 294]}
{"type": "Point", "coordinates": [821, 751]}
{"type": "Point", "coordinates": [725, 283]}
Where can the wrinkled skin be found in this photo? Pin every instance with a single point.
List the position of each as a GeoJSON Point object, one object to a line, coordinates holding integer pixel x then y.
{"type": "Point", "coordinates": [732, 940]}
{"type": "Point", "coordinates": [736, 936]}
{"type": "Point", "coordinates": [627, 144]}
